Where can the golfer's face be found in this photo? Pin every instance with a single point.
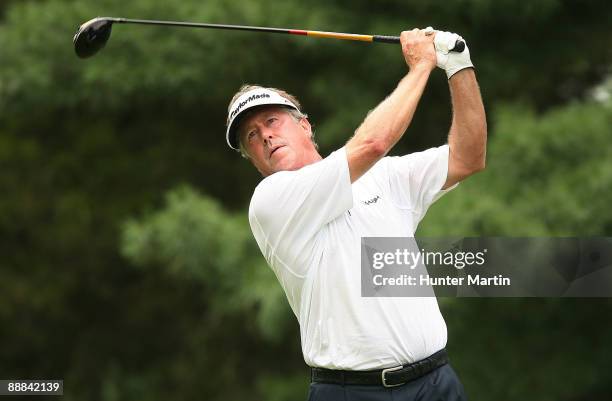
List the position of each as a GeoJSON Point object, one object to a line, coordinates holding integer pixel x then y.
{"type": "Point", "coordinates": [275, 141]}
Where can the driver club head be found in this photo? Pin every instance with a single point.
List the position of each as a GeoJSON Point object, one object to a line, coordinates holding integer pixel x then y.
{"type": "Point", "coordinates": [92, 36]}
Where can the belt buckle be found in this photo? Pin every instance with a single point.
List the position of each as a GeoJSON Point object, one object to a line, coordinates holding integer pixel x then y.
{"type": "Point", "coordinates": [384, 381]}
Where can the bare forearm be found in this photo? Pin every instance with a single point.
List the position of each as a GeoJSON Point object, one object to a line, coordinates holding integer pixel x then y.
{"type": "Point", "coordinates": [386, 124]}
{"type": "Point", "coordinates": [390, 119]}
{"type": "Point", "coordinates": [468, 132]}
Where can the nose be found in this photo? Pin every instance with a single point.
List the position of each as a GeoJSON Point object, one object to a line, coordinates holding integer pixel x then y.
{"type": "Point", "coordinates": [267, 137]}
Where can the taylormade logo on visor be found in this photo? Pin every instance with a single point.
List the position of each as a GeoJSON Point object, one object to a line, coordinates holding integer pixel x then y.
{"type": "Point", "coordinates": [247, 100]}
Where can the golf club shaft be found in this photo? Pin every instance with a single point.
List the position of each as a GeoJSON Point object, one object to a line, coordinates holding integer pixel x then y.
{"type": "Point", "coordinates": [318, 34]}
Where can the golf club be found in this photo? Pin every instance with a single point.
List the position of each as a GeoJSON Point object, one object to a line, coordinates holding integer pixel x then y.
{"type": "Point", "coordinates": [93, 34]}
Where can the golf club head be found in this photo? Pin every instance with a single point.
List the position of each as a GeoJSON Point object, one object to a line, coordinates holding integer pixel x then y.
{"type": "Point", "coordinates": [92, 36]}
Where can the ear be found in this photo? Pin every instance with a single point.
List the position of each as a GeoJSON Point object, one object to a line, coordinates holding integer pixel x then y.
{"type": "Point", "coordinates": [305, 124]}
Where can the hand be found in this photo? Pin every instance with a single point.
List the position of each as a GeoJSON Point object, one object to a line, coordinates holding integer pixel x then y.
{"type": "Point", "coordinates": [418, 48]}
{"type": "Point", "coordinates": [451, 62]}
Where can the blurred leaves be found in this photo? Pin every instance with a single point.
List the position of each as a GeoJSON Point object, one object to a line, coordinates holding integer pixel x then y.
{"type": "Point", "coordinates": [547, 175]}
{"type": "Point", "coordinates": [195, 240]}
{"type": "Point", "coordinates": [191, 231]}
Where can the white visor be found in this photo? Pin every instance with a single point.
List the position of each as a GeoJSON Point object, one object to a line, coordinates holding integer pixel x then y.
{"type": "Point", "coordinates": [253, 98]}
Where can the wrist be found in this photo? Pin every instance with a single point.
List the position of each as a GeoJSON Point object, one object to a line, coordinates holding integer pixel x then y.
{"type": "Point", "coordinates": [422, 68]}
{"type": "Point", "coordinates": [453, 71]}
{"type": "Point", "coordinates": [462, 74]}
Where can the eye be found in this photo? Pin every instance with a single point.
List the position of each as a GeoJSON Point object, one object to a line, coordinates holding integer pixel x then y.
{"type": "Point", "coordinates": [272, 120]}
{"type": "Point", "coordinates": [250, 135]}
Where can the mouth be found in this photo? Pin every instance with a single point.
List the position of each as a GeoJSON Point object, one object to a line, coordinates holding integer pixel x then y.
{"type": "Point", "coordinates": [274, 149]}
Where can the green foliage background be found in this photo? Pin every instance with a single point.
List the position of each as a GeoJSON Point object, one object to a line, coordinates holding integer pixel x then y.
{"type": "Point", "coordinates": [128, 268]}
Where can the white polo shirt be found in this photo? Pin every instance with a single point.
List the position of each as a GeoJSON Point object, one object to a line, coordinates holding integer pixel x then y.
{"type": "Point", "coordinates": [309, 223]}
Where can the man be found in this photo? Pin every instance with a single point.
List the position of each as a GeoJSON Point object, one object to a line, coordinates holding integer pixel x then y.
{"type": "Point", "coordinates": [309, 214]}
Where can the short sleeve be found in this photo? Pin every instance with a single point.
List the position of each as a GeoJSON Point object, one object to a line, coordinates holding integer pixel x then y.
{"type": "Point", "coordinates": [289, 208]}
{"type": "Point", "coordinates": [416, 180]}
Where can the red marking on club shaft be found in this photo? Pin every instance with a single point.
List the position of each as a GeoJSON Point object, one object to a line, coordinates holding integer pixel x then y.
{"type": "Point", "coordinates": [298, 32]}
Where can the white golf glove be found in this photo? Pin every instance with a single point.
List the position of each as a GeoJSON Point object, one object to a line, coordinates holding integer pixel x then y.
{"type": "Point", "coordinates": [451, 62]}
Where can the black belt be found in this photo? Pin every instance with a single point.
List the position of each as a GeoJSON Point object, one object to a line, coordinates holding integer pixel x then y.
{"type": "Point", "coordinates": [390, 377]}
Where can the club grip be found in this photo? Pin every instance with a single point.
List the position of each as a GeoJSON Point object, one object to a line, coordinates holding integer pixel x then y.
{"type": "Point", "coordinates": [459, 45]}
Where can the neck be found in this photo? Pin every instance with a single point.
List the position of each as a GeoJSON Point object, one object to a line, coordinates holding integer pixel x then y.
{"type": "Point", "coordinates": [314, 157]}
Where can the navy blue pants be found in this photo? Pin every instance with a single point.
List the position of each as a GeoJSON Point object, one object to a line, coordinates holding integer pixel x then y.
{"type": "Point", "coordinates": [441, 384]}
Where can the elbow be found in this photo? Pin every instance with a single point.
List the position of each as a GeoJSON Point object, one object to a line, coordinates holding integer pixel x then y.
{"type": "Point", "coordinates": [479, 167]}
{"type": "Point", "coordinates": [479, 162]}
{"type": "Point", "coordinates": [379, 148]}
{"type": "Point", "coordinates": [469, 156]}
{"type": "Point", "coordinates": [374, 148]}
{"type": "Point", "coordinates": [467, 171]}
{"type": "Point", "coordinates": [468, 167]}
{"type": "Point", "coordinates": [482, 160]}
